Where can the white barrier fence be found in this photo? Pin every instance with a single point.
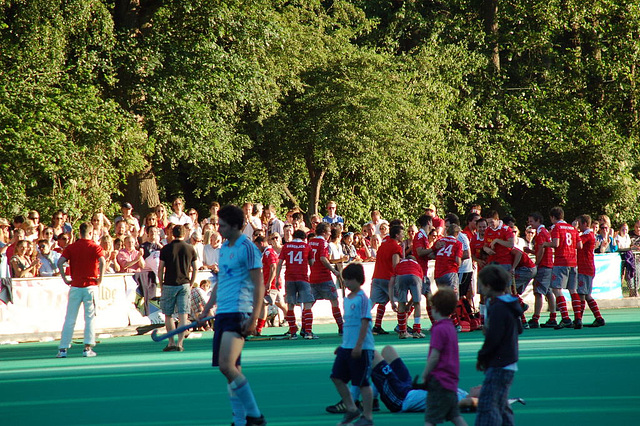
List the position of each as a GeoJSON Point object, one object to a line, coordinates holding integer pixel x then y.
{"type": "Point", "coordinates": [39, 304]}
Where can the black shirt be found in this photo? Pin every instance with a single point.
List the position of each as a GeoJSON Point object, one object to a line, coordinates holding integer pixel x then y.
{"type": "Point", "coordinates": [177, 257]}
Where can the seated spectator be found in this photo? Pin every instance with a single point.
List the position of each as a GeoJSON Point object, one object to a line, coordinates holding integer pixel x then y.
{"type": "Point", "coordinates": [48, 259]}
{"type": "Point", "coordinates": [112, 266]}
{"type": "Point", "coordinates": [529, 235]}
{"type": "Point", "coordinates": [214, 207]}
{"type": "Point", "coordinates": [18, 235]}
{"type": "Point", "coordinates": [348, 248]}
{"type": "Point", "coordinates": [362, 249]}
{"type": "Point", "coordinates": [57, 223]}
{"type": "Point", "coordinates": [179, 217]}
{"type": "Point", "coordinates": [101, 226]}
{"type": "Point", "coordinates": [256, 216]}
{"type": "Point", "coordinates": [22, 265]}
{"type": "Point", "coordinates": [407, 244]}
{"type": "Point", "coordinates": [336, 255]}
{"type": "Point", "coordinates": [127, 216]}
{"type": "Point", "coordinates": [604, 239]}
{"type": "Point", "coordinates": [152, 220]}
{"type": "Point", "coordinates": [161, 215]}
{"type": "Point", "coordinates": [48, 235]}
{"type": "Point", "coordinates": [623, 239]}
{"type": "Point", "coordinates": [375, 245]}
{"type": "Point", "coordinates": [62, 241]}
{"type": "Point", "coordinates": [193, 214]}
{"type": "Point", "coordinates": [211, 252]}
{"type": "Point", "coordinates": [196, 242]}
{"type": "Point", "coordinates": [383, 230]}
{"type": "Point", "coordinates": [130, 259]}
{"type": "Point", "coordinates": [315, 220]}
{"type": "Point", "coordinates": [122, 230]}
{"type": "Point", "coordinates": [151, 241]}
{"type": "Point", "coordinates": [34, 217]}
{"type": "Point", "coordinates": [31, 232]}
{"type": "Point", "coordinates": [4, 235]}
{"type": "Point", "coordinates": [198, 299]}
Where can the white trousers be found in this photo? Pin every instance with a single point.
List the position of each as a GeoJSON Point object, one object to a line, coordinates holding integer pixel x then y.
{"type": "Point", "coordinates": [77, 297]}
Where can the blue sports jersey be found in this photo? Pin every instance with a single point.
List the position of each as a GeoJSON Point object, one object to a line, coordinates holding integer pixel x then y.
{"type": "Point", "coordinates": [235, 288]}
{"type": "Point", "coordinates": [355, 309]}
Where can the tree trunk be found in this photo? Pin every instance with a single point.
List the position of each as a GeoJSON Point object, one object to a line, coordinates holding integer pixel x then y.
{"type": "Point", "coordinates": [315, 184]}
{"type": "Point", "coordinates": [490, 17]}
{"type": "Point", "coordinates": [142, 191]}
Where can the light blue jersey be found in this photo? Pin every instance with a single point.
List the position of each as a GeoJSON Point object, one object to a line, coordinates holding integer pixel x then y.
{"type": "Point", "coordinates": [235, 288]}
{"type": "Point", "coordinates": [355, 309]}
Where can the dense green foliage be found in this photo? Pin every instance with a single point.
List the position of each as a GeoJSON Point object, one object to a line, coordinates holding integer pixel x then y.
{"type": "Point", "coordinates": [376, 104]}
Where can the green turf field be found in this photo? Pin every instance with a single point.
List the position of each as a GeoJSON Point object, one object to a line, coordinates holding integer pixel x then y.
{"type": "Point", "coordinates": [582, 377]}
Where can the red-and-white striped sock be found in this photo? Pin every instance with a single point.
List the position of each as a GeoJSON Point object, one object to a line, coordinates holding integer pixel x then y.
{"type": "Point", "coordinates": [576, 304]}
{"type": "Point", "coordinates": [410, 311]}
{"type": "Point", "coordinates": [553, 316]}
{"type": "Point", "coordinates": [402, 322]}
{"type": "Point", "coordinates": [536, 317]}
{"type": "Point", "coordinates": [380, 314]}
{"type": "Point", "coordinates": [430, 314]}
{"type": "Point", "coordinates": [260, 325]}
{"type": "Point", "coordinates": [337, 315]}
{"type": "Point", "coordinates": [523, 318]}
{"type": "Point", "coordinates": [417, 327]}
{"type": "Point", "coordinates": [291, 319]}
{"type": "Point", "coordinates": [307, 320]}
{"type": "Point", "coordinates": [562, 307]}
{"type": "Point", "coordinates": [593, 305]}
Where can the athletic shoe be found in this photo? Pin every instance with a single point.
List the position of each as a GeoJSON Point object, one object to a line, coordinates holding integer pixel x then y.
{"type": "Point", "coordinates": [404, 336]}
{"type": "Point", "coordinates": [310, 336]}
{"type": "Point", "coordinates": [362, 422]}
{"type": "Point", "coordinates": [565, 323]}
{"type": "Point", "coordinates": [577, 324]}
{"type": "Point", "coordinates": [256, 421]}
{"type": "Point", "coordinates": [338, 408]}
{"type": "Point", "coordinates": [61, 354]}
{"type": "Point", "coordinates": [518, 400]}
{"type": "Point", "coordinates": [293, 336]}
{"type": "Point", "coordinates": [303, 333]}
{"type": "Point", "coordinates": [376, 404]}
{"type": "Point", "coordinates": [418, 335]}
{"type": "Point", "coordinates": [525, 325]}
{"type": "Point", "coordinates": [533, 323]}
{"type": "Point", "coordinates": [348, 417]}
{"type": "Point", "coordinates": [179, 349]}
{"type": "Point", "coordinates": [549, 324]}
{"type": "Point", "coordinates": [170, 348]}
{"type": "Point", "coordinates": [599, 322]}
{"type": "Point", "coordinates": [379, 331]}
{"type": "Point", "coordinates": [409, 329]}
{"type": "Point", "coordinates": [89, 353]}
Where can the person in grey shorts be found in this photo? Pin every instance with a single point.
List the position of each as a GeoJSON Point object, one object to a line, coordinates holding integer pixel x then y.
{"type": "Point", "coordinates": [176, 275]}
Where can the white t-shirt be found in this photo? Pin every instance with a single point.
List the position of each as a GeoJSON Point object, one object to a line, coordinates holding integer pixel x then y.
{"type": "Point", "coordinates": [467, 264]}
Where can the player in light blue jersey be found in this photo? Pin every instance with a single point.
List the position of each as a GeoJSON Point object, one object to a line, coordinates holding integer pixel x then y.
{"type": "Point", "coordinates": [239, 296]}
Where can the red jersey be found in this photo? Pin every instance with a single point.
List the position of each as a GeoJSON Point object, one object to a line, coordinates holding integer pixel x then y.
{"type": "Point", "coordinates": [503, 254]}
{"type": "Point", "coordinates": [269, 257]}
{"type": "Point", "coordinates": [586, 262]}
{"type": "Point", "coordinates": [476, 245]}
{"type": "Point", "coordinates": [384, 258]}
{"type": "Point", "coordinates": [437, 222]}
{"type": "Point", "coordinates": [525, 260]}
{"type": "Point", "coordinates": [421, 239]}
{"type": "Point", "coordinates": [543, 236]}
{"type": "Point", "coordinates": [84, 256]}
{"type": "Point", "coordinates": [446, 256]}
{"type": "Point", "coordinates": [565, 253]}
{"type": "Point", "coordinates": [296, 254]}
{"type": "Point", "coordinates": [468, 232]}
{"type": "Point", "coordinates": [319, 248]}
{"type": "Point", "coordinates": [408, 267]}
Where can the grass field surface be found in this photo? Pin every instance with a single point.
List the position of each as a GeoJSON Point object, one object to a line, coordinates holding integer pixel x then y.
{"type": "Point", "coordinates": [582, 377]}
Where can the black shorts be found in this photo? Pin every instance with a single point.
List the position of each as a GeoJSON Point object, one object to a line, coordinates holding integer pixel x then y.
{"type": "Point", "coordinates": [393, 381]}
{"type": "Point", "coordinates": [226, 322]}
{"type": "Point", "coordinates": [354, 370]}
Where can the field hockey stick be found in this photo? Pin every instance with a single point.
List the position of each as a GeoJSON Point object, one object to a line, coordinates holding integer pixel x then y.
{"type": "Point", "coordinates": [158, 337]}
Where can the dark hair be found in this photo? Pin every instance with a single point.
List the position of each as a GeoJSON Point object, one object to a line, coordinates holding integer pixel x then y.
{"type": "Point", "coordinates": [536, 216]}
{"type": "Point", "coordinates": [178, 231]}
{"type": "Point", "coordinates": [424, 220]}
{"type": "Point", "coordinates": [472, 216]}
{"type": "Point", "coordinates": [495, 277]}
{"type": "Point", "coordinates": [492, 215]}
{"type": "Point", "coordinates": [321, 228]}
{"type": "Point", "coordinates": [18, 219]}
{"type": "Point", "coordinates": [296, 216]}
{"type": "Point", "coordinates": [557, 213]}
{"type": "Point", "coordinates": [214, 204]}
{"type": "Point", "coordinates": [233, 215]}
{"type": "Point", "coordinates": [445, 301]}
{"type": "Point", "coordinates": [354, 271]}
{"type": "Point", "coordinates": [300, 235]}
{"type": "Point", "coordinates": [481, 219]}
{"type": "Point", "coordinates": [149, 228]}
{"type": "Point", "coordinates": [85, 228]}
{"type": "Point", "coordinates": [508, 220]}
{"type": "Point", "coordinates": [260, 239]}
{"type": "Point", "coordinates": [585, 219]}
{"type": "Point", "coordinates": [396, 222]}
{"type": "Point", "coordinates": [395, 230]}
{"type": "Point", "coordinates": [452, 218]}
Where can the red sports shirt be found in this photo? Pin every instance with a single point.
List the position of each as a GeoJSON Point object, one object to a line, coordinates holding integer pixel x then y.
{"type": "Point", "coordinates": [384, 258]}
{"type": "Point", "coordinates": [408, 267]}
{"type": "Point", "coordinates": [446, 256]}
{"type": "Point", "coordinates": [543, 236]}
{"type": "Point", "coordinates": [565, 253]}
{"type": "Point", "coordinates": [83, 256]}
{"type": "Point", "coordinates": [296, 255]}
{"type": "Point", "coordinates": [503, 254]}
{"type": "Point", "coordinates": [421, 239]}
{"type": "Point", "coordinates": [476, 245]}
{"type": "Point", "coordinates": [269, 257]}
{"type": "Point", "coordinates": [319, 248]}
{"type": "Point", "coordinates": [586, 261]}
{"type": "Point", "coordinates": [525, 260]}
{"type": "Point", "coordinates": [468, 232]}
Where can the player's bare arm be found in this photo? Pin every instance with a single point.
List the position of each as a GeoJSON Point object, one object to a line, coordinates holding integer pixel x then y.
{"type": "Point", "coordinates": [258, 298]}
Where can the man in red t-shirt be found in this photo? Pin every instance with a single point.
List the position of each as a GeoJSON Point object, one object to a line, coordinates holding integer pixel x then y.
{"type": "Point", "coordinates": [87, 265]}
{"type": "Point", "coordinates": [448, 259]}
{"type": "Point", "coordinates": [498, 240]}
{"type": "Point", "coordinates": [322, 285]}
{"type": "Point", "coordinates": [297, 255]}
{"type": "Point", "coordinates": [542, 281]}
{"type": "Point", "coordinates": [564, 240]}
{"type": "Point", "coordinates": [407, 279]}
{"type": "Point", "coordinates": [438, 224]}
{"type": "Point", "coordinates": [470, 229]}
{"type": "Point", "coordinates": [388, 256]}
{"type": "Point", "coordinates": [586, 272]}
{"type": "Point", "coordinates": [272, 284]}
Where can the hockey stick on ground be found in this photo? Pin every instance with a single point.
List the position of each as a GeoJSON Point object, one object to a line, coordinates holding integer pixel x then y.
{"type": "Point", "coordinates": [263, 338]}
{"type": "Point", "coordinates": [158, 337]}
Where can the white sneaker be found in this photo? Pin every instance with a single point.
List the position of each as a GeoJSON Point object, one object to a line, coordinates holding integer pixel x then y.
{"type": "Point", "coordinates": [89, 353]}
{"type": "Point", "coordinates": [61, 354]}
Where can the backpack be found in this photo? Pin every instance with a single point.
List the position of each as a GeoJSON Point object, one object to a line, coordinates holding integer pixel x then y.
{"type": "Point", "coordinates": [465, 317]}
